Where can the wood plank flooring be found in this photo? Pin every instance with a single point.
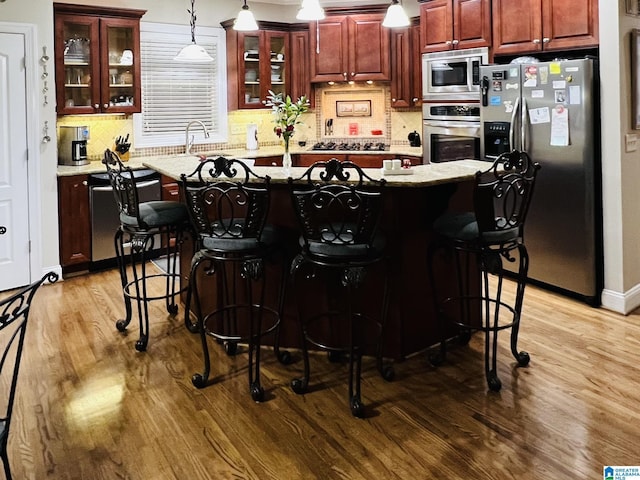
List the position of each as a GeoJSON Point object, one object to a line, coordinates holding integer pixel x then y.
{"type": "Point", "coordinates": [90, 406]}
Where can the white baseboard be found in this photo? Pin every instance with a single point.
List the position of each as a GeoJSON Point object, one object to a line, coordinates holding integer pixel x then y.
{"type": "Point", "coordinates": [623, 303]}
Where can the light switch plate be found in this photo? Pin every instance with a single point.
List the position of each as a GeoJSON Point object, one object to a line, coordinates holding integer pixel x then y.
{"type": "Point", "coordinates": [631, 142]}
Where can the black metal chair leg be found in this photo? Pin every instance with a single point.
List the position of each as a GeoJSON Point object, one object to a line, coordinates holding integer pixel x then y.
{"type": "Point", "coordinates": [122, 324]}
{"type": "Point", "coordinates": [200, 380]}
{"type": "Point", "coordinates": [300, 385]}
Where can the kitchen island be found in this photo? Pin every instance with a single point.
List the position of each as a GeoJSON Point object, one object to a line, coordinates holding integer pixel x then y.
{"type": "Point", "coordinates": [412, 202]}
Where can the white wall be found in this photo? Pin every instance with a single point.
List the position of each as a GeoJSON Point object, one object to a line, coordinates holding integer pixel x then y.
{"type": "Point", "coordinates": [620, 170]}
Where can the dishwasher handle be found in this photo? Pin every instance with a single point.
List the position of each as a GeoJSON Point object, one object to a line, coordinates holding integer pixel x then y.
{"type": "Point", "coordinates": [108, 188]}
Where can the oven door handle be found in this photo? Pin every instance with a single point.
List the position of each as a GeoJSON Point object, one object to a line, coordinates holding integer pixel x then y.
{"type": "Point", "coordinates": [455, 128]}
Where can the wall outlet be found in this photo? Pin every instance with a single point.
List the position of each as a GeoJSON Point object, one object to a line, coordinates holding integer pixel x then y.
{"type": "Point", "coordinates": [631, 142]}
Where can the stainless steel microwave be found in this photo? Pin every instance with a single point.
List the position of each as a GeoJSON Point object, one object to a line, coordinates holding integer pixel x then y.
{"type": "Point", "coordinates": [453, 75]}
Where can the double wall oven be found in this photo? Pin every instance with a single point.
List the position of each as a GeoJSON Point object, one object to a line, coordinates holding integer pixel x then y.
{"type": "Point", "coordinates": [451, 104]}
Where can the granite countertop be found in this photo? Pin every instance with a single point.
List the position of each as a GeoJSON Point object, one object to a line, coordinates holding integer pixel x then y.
{"type": "Point", "coordinates": [423, 175]}
{"type": "Point", "coordinates": [139, 162]}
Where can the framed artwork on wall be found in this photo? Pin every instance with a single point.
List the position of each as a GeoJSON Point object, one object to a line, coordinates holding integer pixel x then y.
{"type": "Point", "coordinates": [635, 78]}
{"type": "Point", "coordinates": [633, 7]}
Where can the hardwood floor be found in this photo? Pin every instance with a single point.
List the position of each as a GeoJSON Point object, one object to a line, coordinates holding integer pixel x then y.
{"type": "Point", "coordinates": [90, 406]}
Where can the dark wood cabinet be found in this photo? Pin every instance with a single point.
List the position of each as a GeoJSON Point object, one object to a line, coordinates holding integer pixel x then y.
{"type": "Point", "coordinates": [300, 72]}
{"type": "Point", "coordinates": [97, 59]}
{"type": "Point", "coordinates": [455, 24]}
{"type": "Point", "coordinates": [74, 222]}
{"type": "Point", "coordinates": [530, 26]}
{"type": "Point", "coordinates": [350, 48]}
{"type": "Point", "coordinates": [256, 63]}
{"type": "Point", "coordinates": [406, 67]}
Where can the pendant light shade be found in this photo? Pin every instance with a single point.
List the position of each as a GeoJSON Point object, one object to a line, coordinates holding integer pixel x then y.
{"type": "Point", "coordinates": [310, 10]}
{"type": "Point", "coordinates": [245, 21]}
{"type": "Point", "coordinates": [193, 53]}
{"type": "Point", "coordinates": [396, 17]}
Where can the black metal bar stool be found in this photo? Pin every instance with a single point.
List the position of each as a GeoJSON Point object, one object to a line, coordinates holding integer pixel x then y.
{"type": "Point", "coordinates": [228, 205]}
{"type": "Point", "coordinates": [478, 243]}
{"type": "Point", "coordinates": [140, 224]}
{"type": "Point", "coordinates": [338, 208]}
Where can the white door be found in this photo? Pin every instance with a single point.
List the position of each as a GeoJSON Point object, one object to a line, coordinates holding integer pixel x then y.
{"type": "Point", "coordinates": [14, 193]}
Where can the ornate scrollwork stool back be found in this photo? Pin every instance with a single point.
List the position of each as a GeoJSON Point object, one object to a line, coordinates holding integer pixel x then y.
{"type": "Point", "coordinates": [338, 208]}
{"type": "Point", "coordinates": [14, 314]}
{"type": "Point", "coordinates": [140, 223]}
{"type": "Point", "coordinates": [228, 205]}
{"type": "Point", "coordinates": [479, 242]}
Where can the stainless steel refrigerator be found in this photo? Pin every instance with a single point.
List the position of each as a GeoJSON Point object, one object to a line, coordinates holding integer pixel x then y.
{"type": "Point", "coordinates": [550, 110]}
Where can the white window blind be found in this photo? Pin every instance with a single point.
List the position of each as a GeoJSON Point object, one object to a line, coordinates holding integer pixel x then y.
{"type": "Point", "coordinates": [173, 93]}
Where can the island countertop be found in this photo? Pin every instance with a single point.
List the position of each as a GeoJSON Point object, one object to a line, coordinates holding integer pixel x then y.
{"type": "Point", "coordinates": [423, 176]}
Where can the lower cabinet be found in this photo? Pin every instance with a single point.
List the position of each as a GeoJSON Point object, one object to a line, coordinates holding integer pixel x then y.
{"type": "Point", "coordinates": [74, 222]}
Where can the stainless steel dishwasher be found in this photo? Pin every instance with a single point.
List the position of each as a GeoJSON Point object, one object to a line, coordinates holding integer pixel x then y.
{"type": "Point", "coordinates": [105, 218]}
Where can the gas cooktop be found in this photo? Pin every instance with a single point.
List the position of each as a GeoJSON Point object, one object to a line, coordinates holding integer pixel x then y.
{"type": "Point", "coordinates": [370, 146]}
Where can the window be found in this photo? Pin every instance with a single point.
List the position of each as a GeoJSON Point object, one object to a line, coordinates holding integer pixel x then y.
{"type": "Point", "coordinates": [173, 94]}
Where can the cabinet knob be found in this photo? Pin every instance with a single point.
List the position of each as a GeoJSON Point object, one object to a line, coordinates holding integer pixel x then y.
{"type": "Point", "coordinates": [393, 100]}
{"type": "Point", "coordinates": [96, 106]}
{"type": "Point", "coordinates": [546, 40]}
{"type": "Point", "coordinates": [456, 42]}
{"type": "Point", "coordinates": [536, 41]}
{"type": "Point", "coordinates": [448, 42]}
{"type": "Point", "coordinates": [344, 74]}
{"type": "Point", "coordinates": [414, 99]}
{"type": "Point", "coordinates": [85, 183]}
{"type": "Point", "coordinates": [106, 105]}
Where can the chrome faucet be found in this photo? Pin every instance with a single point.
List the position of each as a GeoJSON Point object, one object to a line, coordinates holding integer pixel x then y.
{"type": "Point", "coordinates": [188, 142]}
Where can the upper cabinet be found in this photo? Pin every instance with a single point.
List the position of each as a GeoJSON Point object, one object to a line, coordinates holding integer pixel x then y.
{"type": "Point", "coordinates": [350, 48]}
{"type": "Point", "coordinates": [97, 59]}
{"type": "Point", "coordinates": [529, 26]}
{"type": "Point", "coordinates": [300, 72]}
{"type": "Point", "coordinates": [256, 63]}
{"type": "Point", "coordinates": [455, 24]}
{"type": "Point", "coordinates": [406, 63]}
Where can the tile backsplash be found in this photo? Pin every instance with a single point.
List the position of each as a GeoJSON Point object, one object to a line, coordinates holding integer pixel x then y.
{"type": "Point", "coordinates": [394, 124]}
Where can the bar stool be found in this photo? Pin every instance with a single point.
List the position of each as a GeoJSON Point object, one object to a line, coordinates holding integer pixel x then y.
{"type": "Point", "coordinates": [338, 208]}
{"type": "Point", "coordinates": [228, 206]}
{"type": "Point", "coordinates": [479, 242]}
{"type": "Point", "coordinates": [140, 224]}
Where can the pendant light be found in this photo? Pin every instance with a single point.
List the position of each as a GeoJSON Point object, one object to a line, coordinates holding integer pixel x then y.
{"type": "Point", "coordinates": [310, 10]}
{"type": "Point", "coordinates": [193, 53]}
{"type": "Point", "coordinates": [245, 21]}
{"type": "Point", "coordinates": [396, 17]}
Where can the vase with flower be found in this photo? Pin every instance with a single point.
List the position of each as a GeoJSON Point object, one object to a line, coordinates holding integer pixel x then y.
{"type": "Point", "coordinates": [286, 115]}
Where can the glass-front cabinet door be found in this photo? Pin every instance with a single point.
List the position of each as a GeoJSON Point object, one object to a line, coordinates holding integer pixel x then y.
{"type": "Point", "coordinates": [97, 61]}
{"type": "Point", "coordinates": [77, 63]}
{"type": "Point", "coordinates": [277, 43]}
{"type": "Point", "coordinates": [262, 66]}
{"type": "Point", "coordinates": [121, 53]}
{"type": "Point", "coordinates": [250, 72]}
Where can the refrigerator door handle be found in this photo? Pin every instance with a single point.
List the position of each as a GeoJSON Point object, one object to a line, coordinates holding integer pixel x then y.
{"type": "Point", "coordinates": [514, 115]}
{"type": "Point", "coordinates": [524, 125]}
